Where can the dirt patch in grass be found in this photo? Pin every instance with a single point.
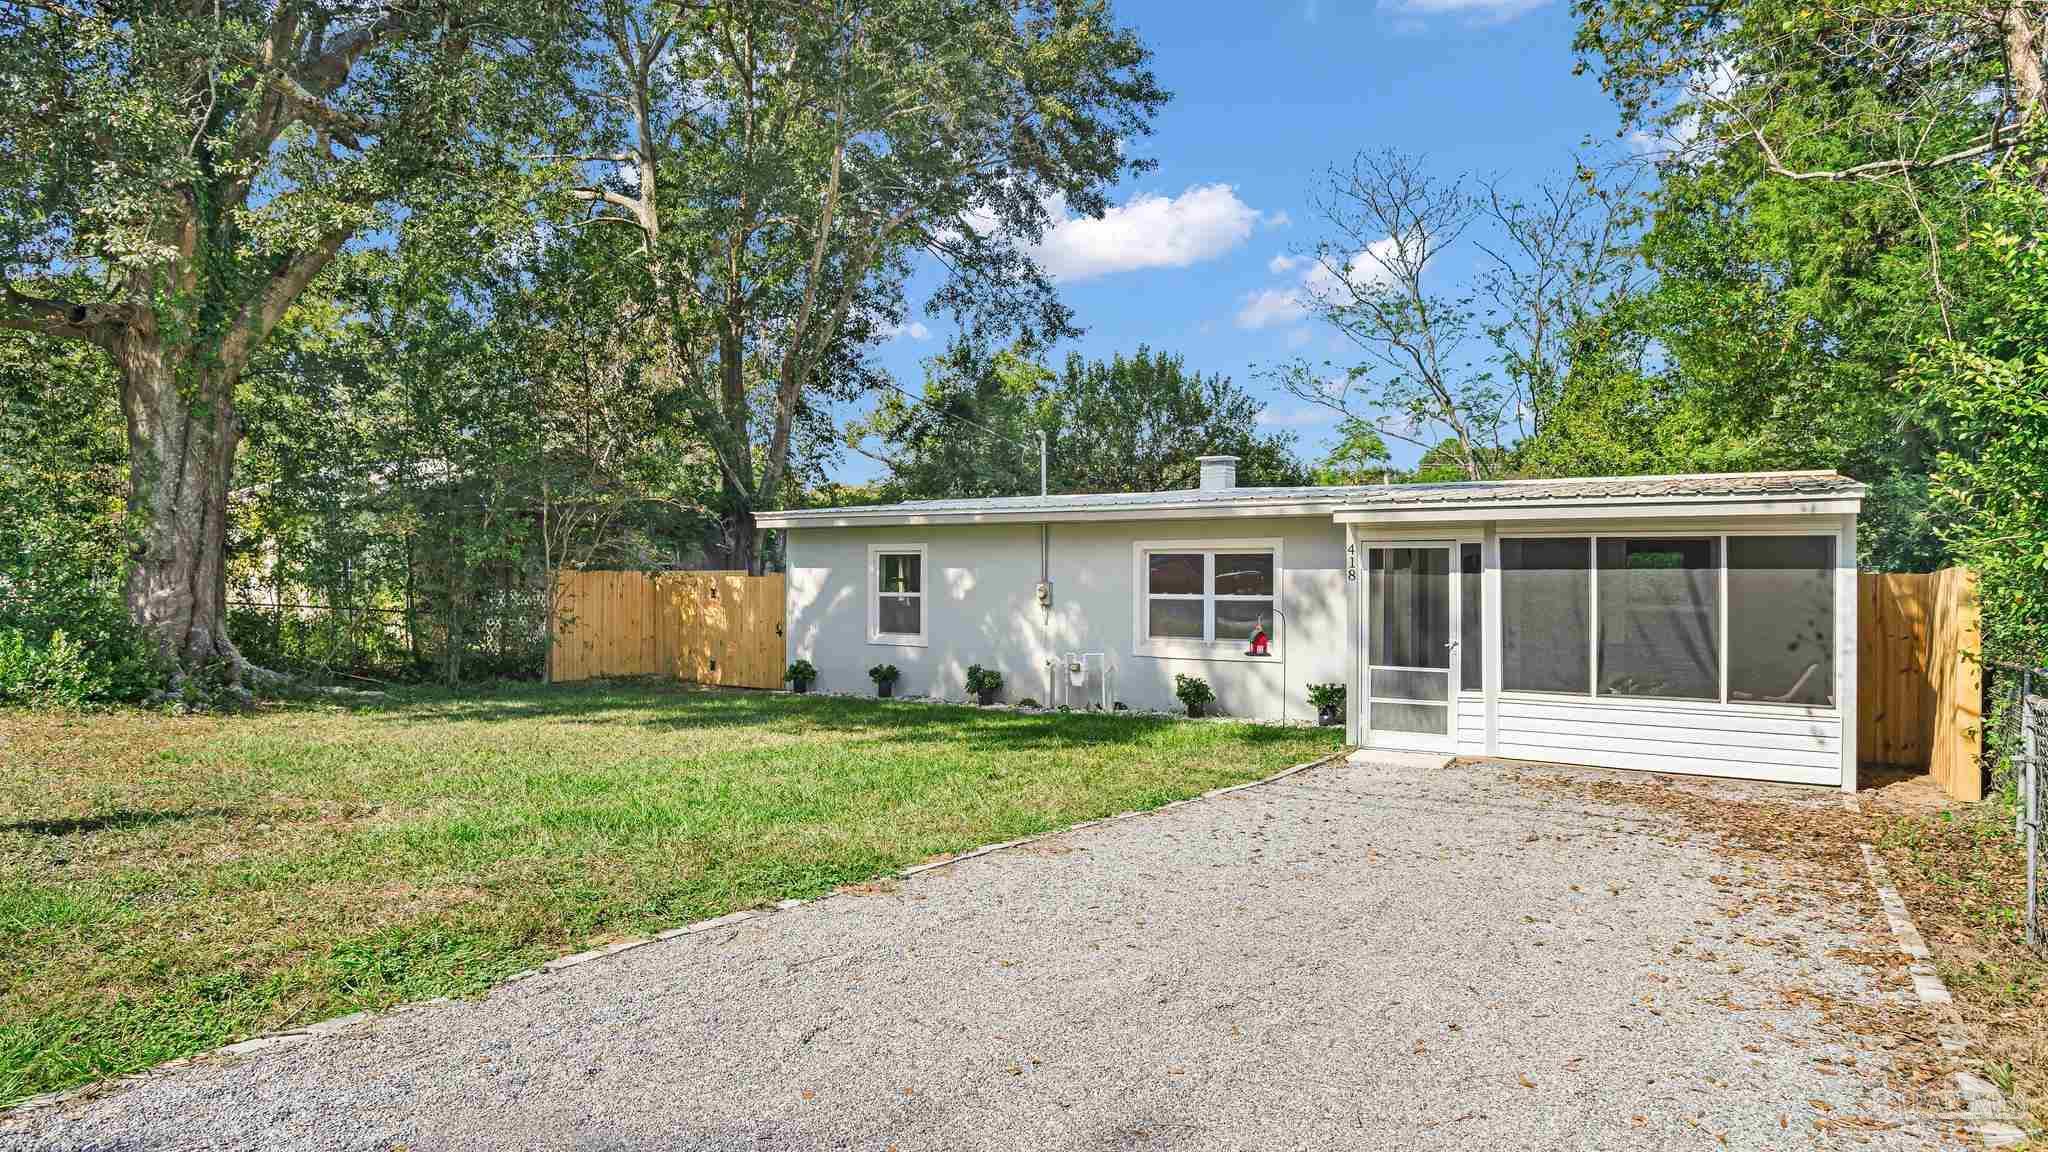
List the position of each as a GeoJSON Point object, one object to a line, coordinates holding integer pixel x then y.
{"type": "Point", "coordinates": [172, 884]}
{"type": "Point", "coordinates": [1963, 875]}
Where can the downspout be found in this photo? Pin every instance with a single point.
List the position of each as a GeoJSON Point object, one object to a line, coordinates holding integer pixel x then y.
{"type": "Point", "coordinates": [1045, 585]}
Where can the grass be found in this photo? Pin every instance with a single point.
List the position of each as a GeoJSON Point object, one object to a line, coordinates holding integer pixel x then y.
{"type": "Point", "coordinates": [169, 885]}
{"type": "Point", "coordinates": [1963, 875]}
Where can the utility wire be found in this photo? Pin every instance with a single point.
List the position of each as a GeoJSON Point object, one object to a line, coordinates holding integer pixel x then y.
{"type": "Point", "coordinates": [917, 399]}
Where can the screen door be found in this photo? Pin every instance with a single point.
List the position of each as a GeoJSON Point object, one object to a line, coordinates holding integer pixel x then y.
{"type": "Point", "coordinates": [1411, 647]}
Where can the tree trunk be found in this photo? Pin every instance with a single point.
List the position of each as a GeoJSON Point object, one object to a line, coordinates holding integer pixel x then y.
{"type": "Point", "coordinates": [743, 548]}
{"type": "Point", "coordinates": [182, 429]}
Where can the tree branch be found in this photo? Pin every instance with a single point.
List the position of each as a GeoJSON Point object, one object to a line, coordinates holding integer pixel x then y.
{"type": "Point", "coordinates": [53, 316]}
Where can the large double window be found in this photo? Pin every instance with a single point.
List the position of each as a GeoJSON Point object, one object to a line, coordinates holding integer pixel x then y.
{"type": "Point", "coordinates": [1717, 618]}
{"type": "Point", "coordinates": [1206, 594]}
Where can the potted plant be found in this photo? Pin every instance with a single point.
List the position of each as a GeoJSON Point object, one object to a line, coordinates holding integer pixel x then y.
{"type": "Point", "coordinates": [1193, 692]}
{"type": "Point", "coordinates": [1329, 702]}
{"type": "Point", "coordinates": [984, 683]}
{"type": "Point", "coordinates": [801, 675]}
{"type": "Point", "coordinates": [884, 676]}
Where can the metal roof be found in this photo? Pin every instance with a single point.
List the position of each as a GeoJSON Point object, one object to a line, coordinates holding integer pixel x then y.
{"type": "Point", "coordinates": [1476, 494]}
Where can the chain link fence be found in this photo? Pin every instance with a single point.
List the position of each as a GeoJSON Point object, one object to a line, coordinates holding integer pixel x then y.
{"type": "Point", "coordinates": [2018, 746]}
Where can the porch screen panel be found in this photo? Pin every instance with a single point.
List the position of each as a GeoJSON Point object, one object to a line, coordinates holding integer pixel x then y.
{"type": "Point", "coordinates": [1471, 621]}
{"type": "Point", "coordinates": [1411, 607]}
{"type": "Point", "coordinates": [1546, 587]}
{"type": "Point", "coordinates": [1660, 609]}
{"type": "Point", "coordinates": [1781, 619]}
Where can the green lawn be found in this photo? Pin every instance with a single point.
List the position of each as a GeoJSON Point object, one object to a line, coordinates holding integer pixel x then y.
{"type": "Point", "coordinates": [168, 885]}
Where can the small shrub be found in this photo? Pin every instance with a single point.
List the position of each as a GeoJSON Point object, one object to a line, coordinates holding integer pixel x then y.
{"type": "Point", "coordinates": [1193, 692]}
{"type": "Point", "coordinates": [884, 674]}
{"type": "Point", "coordinates": [1028, 702]}
{"type": "Point", "coordinates": [54, 674]}
{"type": "Point", "coordinates": [801, 675]}
{"type": "Point", "coordinates": [1326, 695]}
{"type": "Point", "coordinates": [983, 683]}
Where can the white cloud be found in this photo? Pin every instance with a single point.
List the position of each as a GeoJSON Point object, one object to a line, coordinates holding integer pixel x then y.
{"type": "Point", "coordinates": [1298, 337]}
{"type": "Point", "coordinates": [1366, 268]}
{"type": "Point", "coordinates": [915, 330]}
{"type": "Point", "coordinates": [1304, 416]}
{"type": "Point", "coordinates": [1275, 307]}
{"type": "Point", "coordinates": [1279, 219]}
{"type": "Point", "coordinates": [1148, 231]}
{"type": "Point", "coordinates": [1271, 308]}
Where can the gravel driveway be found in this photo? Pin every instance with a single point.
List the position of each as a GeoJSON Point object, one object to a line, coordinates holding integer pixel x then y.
{"type": "Point", "coordinates": [1359, 956]}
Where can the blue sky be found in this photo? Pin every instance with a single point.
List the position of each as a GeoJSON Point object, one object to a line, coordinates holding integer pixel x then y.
{"type": "Point", "coordinates": [1265, 98]}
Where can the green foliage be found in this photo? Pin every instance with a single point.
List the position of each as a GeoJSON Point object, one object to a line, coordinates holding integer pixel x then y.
{"type": "Point", "coordinates": [1128, 424]}
{"type": "Point", "coordinates": [61, 481]}
{"type": "Point", "coordinates": [786, 167]}
{"type": "Point", "coordinates": [1988, 389]}
{"type": "Point", "coordinates": [884, 674]}
{"type": "Point", "coordinates": [1326, 695]}
{"type": "Point", "coordinates": [1193, 692]}
{"type": "Point", "coordinates": [801, 673]}
{"type": "Point", "coordinates": [53, 674]}
{"type": "Point", "coordinates": [1358, 457]}
{"type": "Point", "coordinates": [983, 680]}
{"type": "Point", "coordinates": [1805, 241]}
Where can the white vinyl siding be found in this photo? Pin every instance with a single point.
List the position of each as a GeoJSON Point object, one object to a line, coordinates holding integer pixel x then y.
{"type": "Point", "coordinates": [1769, 742]}
{"type": "Point", "coordinates": [1471, 723]}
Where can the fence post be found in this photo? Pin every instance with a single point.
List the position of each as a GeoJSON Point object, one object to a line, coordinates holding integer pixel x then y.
{"type": "Point", "coordinates": [2031, 780]}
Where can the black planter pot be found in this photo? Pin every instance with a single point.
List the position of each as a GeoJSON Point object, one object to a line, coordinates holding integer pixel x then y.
{"type": "Point", "coordinates": [1329, 715]}
{"type": "Point", "coordinates": [985, 697]}
{"type": "Point", "coordinates": [885, 689]}
{"type": "Point", "coordinates": [1195, 711]}
{"type": "Point", "coordinates": [799, 686]}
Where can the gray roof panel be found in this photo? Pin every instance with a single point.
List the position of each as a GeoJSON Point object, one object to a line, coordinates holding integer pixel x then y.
{"type": "Point", "coordinates": [1590, 489]}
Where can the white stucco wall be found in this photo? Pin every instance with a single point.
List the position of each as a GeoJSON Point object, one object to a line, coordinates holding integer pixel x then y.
{"type": "Point", "coordinates": [979, 599]}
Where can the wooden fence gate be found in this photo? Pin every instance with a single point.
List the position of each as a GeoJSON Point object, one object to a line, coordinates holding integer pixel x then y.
{"type": "Point", "coordinates": [705, 627]}
{"type": "Point", "coordinates": [1920, 678]}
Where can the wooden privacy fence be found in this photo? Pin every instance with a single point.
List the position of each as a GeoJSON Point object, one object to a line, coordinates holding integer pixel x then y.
{"type": "Point", "coordinates": [706, 627]}
{"type": "Point", "coordinates": [1919, 676]}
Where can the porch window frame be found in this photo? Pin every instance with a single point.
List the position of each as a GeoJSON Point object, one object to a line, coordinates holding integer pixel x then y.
{"type": "Point", "coordinates": [1674, 530]}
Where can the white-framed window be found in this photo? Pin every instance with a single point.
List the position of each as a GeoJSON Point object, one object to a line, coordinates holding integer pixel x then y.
{"type": "Point", "coordinates": [1206, 598]}
{"type": "Point", "coordinates": [897, 613]}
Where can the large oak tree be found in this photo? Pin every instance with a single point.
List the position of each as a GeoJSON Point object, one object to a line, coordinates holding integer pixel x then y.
{"type": "Point", "coordinates": [175, 174]}
{"type": "Point", "coordinates": [785, 163]}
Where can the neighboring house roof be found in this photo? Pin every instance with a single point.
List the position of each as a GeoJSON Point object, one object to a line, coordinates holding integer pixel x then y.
{"type": "Point", "coordinates": [1745, 492]}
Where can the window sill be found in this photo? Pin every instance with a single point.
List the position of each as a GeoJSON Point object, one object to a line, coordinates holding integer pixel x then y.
{"type": "Point", "coordinates": [884, 640]}
{"type": "Point", "coordinates": [1202, 650]}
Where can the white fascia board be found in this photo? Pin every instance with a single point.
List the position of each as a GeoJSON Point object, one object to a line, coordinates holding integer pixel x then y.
{"type": "Point", "coordinates": [854, 518]}
{"type": "Point", "coordinates": [1640, 509]}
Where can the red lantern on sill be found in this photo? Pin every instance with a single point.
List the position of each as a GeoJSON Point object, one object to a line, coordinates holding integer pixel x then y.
{"type": "Point", "coordinates": [1261, 644]}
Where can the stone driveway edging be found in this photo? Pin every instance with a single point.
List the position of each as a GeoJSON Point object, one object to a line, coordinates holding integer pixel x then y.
{"type": "Point", "coordinates": [1986, 1110]}
{"type": "Point", "coordinates": [338, 1024]}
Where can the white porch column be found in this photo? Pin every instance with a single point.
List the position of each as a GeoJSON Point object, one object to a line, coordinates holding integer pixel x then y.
{"type": "Point", "coordinates": [1846, 597]}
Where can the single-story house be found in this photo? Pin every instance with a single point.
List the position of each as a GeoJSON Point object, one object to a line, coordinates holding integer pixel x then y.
{"type": "Point", "coordinates": [1685, 624]}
